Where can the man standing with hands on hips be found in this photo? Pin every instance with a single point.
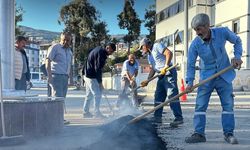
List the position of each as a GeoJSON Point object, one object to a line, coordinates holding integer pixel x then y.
{"type": "Point", "coordinates": [58, 64]}
{"type": "Point", "coordinates": [209, 45]}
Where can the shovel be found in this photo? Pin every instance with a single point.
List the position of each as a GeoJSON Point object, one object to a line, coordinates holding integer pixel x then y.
{"type": "Point", "coordinates": [156, 76]}
{"type": "Point", "coordinates": [179, 95]}
{"type": "Point", "coordinates": [109, 105]}
{"type": "Point", "coordinates": [152, 78]}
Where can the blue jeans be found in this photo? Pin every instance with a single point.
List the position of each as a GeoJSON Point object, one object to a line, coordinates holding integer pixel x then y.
{"type": "Point", "coordinates": [60, 85]}
{"type": "Point", "coordinates": [125, 84]}
{"type": "Point", "coordinates": [225, 92]}
{"type": "Point", "coordinates": [93, 91]}
{"type": "Point", "coordinates": [167, 88]}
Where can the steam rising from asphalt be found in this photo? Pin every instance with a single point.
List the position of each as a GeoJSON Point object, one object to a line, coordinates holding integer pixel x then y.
{"type": "Point", "coordinates": [119, 135]}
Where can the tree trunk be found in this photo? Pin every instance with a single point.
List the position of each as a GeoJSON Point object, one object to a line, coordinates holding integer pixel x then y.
{"type": "Point", "coordinates": [129, 48]}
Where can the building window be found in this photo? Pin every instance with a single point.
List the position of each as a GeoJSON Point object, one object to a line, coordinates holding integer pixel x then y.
{"type": "Point", "coordinates": [162, 16]}
{"type": "Point", "coordinates": [179, 38]}
{"type": "Point", "coordinates": [190, 3]}
{"type": "Point", "coordinates": [170, 11]}
{"type": "Point", "coordinates": [236, 26]}
{"type": "Point", "coordinates": [219, 1]}
{"type": "Point", "coordinates": [170, 39]}
{"type": "Point", "coordinates": [190, 35]}
{"type": "Point", "coordinates": [218, 25]}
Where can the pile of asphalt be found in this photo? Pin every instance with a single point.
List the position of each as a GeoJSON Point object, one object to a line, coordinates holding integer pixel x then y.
{"type": "Point", "coordinates": [119, 135]}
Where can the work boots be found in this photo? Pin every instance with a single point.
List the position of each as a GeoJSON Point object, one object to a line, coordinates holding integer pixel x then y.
{"type": "Point", "coordinates": [99, 115]}
{"type": "Point", "coordinates": [87, 115]}
{"type": "Point", "coordinates": [229, 137]}
{"type": "Point", "coordinates": [176, 122]}
{"type": "Point", "coordinates": [196, 138]}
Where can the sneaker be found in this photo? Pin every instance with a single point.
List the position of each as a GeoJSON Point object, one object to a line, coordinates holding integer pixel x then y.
{"type": "Point", "coordinates": [99, 115]}
{"type": "Point", "coordinates": [176, 122]}
{"type": "Point", "coordinates": [229, 138]}
{"type": "Point", "coordinates": [65, 122]}
{"type": "Point", "coordinates": [87, 115]}
{"type": "Point", "coordinates": [195, 138]}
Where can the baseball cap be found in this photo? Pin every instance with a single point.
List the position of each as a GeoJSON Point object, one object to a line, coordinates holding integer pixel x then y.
{"type": "Point", "coordinates": [144, 41]}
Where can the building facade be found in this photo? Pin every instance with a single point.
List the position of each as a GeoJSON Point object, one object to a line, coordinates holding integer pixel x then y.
{"type": "Point", "coordinates": [229, 13]}
{"type": "Point", "coordinates": [32, 50]}
{"type": "Point", "coordinates": [43, 53]}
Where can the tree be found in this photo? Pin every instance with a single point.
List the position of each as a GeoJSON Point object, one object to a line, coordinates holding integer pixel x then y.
{"type": "Point", "coordinates": [150, 22]}
{"type": "Point", "coordinates": [79, 17]}
{"type": "Point", "coordinates": [100, 33]}
{"type": "Point", "coordinates": [18, 18]}
{"type": "Point", "coordinates": [82, 19]}
{"type": "Point", "coordinates": [128, 19]}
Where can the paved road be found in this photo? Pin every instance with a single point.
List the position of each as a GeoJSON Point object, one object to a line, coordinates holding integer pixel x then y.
{"type": "Point", "coordinates": [82, 132]}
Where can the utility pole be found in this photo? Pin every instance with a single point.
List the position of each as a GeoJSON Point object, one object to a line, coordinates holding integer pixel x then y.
{"type": "Point", "coordinates": [73, 59]}
{"type": "Point", "coordinates": [185, 51]}
{"type": "Point", "coordinates": [174, 38]}
{"type": "Point", "coordinates": [7, 42]}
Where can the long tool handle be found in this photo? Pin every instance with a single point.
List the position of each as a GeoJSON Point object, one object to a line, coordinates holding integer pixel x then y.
{"type": "Point", "coordinates": [179, 95]}
{"type": "Point", "coordinates": [156, 76]}
{"type": "Point", "coordinates": [109, 105]}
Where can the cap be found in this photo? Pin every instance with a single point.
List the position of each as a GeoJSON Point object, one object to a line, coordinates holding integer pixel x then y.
{"type": "Point", "coordinates": [144, 41]}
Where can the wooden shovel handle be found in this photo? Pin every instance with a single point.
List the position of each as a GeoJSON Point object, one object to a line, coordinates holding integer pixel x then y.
{"type": "Point", "coordinates": [179, 95]}
{"type": "Point", "coordinates": [156, 76]}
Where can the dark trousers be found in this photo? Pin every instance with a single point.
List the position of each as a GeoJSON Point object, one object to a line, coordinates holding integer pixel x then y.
{"type": "Point", "coordinates": [21, 84]}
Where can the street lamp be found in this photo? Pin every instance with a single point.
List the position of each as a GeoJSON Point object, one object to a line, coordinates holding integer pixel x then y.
{"type": "Point", "coordinates": [174, 38]}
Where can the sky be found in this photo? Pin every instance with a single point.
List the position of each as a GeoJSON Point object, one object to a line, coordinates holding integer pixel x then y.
{"type": "Point", "coordinates": [44, 14]}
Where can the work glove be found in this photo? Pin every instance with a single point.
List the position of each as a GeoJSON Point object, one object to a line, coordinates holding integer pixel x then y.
{"type": "Point", "coordinates": [163, 70]}
{"type": "Point", "coordinates": [144, 83]}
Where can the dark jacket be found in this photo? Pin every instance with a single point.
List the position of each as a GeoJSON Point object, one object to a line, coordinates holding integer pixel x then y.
{"type": "Point", "coordinates": [95, 63]}
{"type": "Point", "coordinates": [28, 76]}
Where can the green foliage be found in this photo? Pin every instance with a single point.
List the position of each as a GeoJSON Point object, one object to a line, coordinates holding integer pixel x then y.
{"type": "Point", "coordinates": [135, 51]}
{"type": "Point", "coordinates": [79, 17]}
{"type": "Point", "coordinates": [100, 33]}
{"type": "Point", "coordinates": [128, 19]}
{"type": "Point", "coordinates": [18, 18]}
{"type": "Point", "coordinates": [114, 40]}
{"type": "Point", "coordinates": [150, 22]}
{"type": "Point", "coordinates": [83, 20]}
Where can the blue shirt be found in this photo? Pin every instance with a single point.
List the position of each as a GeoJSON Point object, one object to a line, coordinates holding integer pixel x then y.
{"type": "Point", "coordinates": [213, 55]}
{"type": "Point", "coordinates": [61, 59]}
{"type": "Point", "coordinates": [157, 58]}
{"type": "Point", "coordinates": [130, 68]}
